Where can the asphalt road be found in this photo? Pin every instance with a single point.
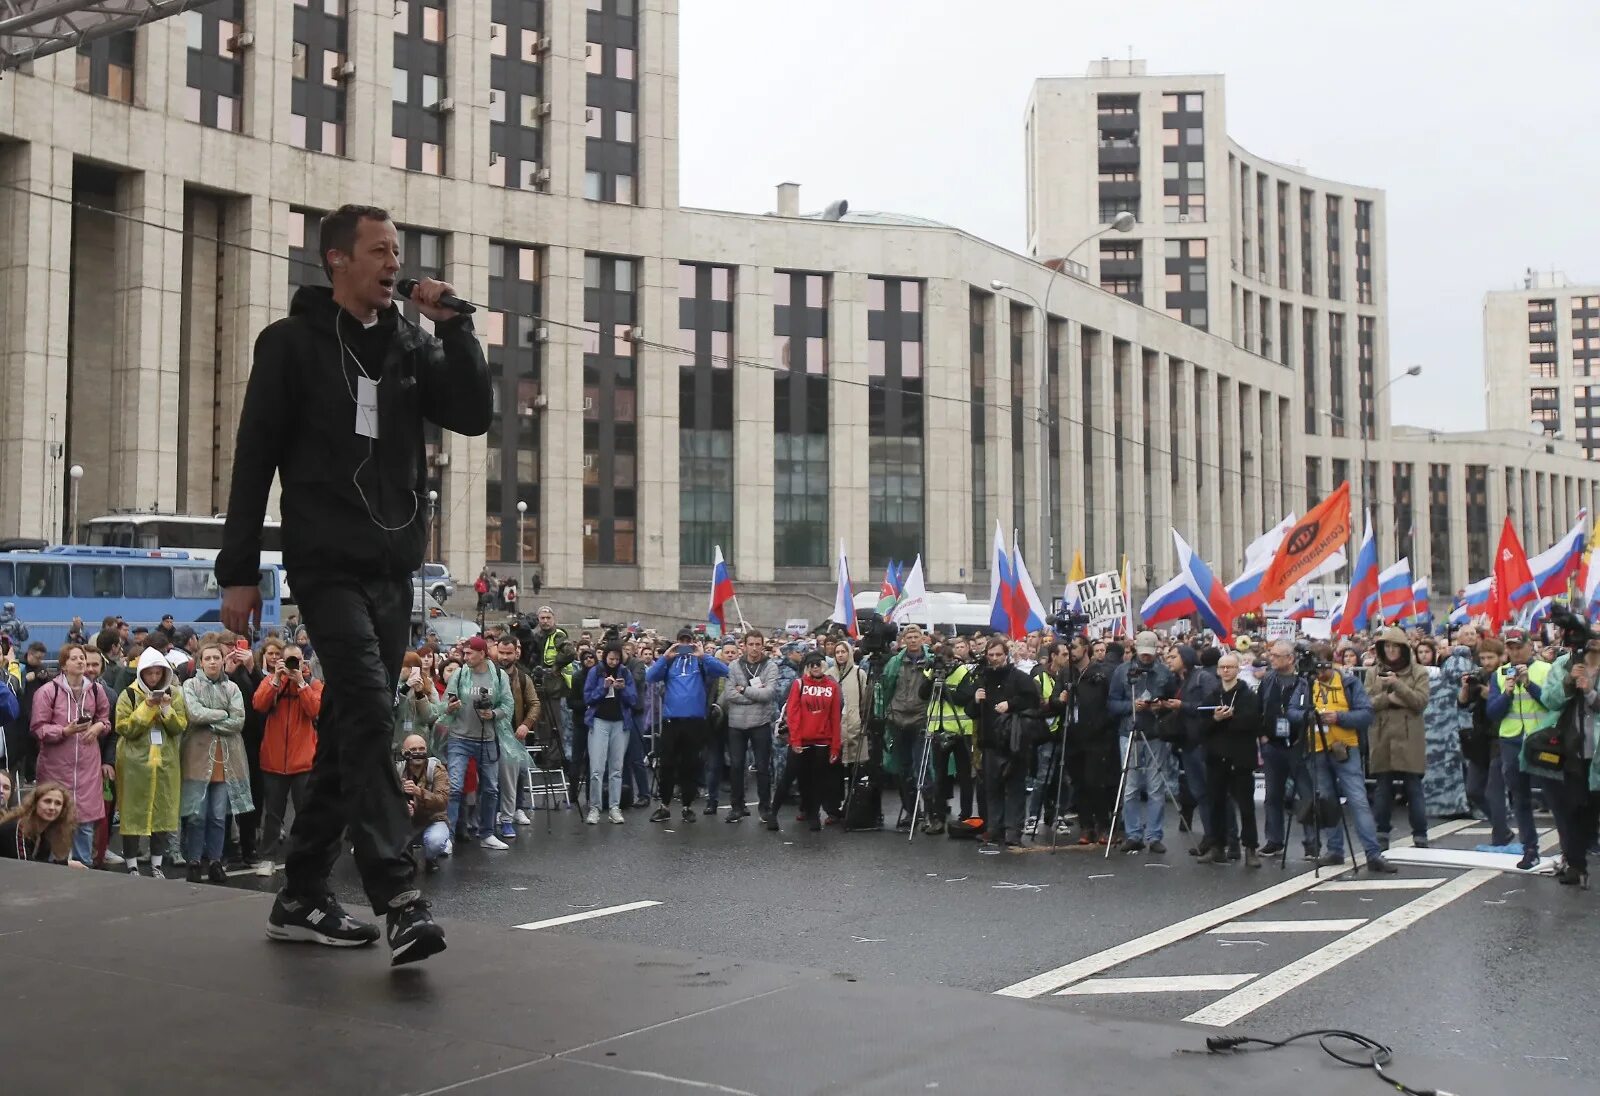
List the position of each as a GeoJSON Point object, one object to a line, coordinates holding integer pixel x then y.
{"type": "Point", "coordinates": [1490, 967]}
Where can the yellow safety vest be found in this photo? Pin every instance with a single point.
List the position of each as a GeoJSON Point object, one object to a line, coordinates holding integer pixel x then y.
{"type": "Point", "coordinates": [947, 715]}
{"type": "Point", "coordinates": [1526, 712]}
{"type": "Point", "coordinates": [1047, 689]}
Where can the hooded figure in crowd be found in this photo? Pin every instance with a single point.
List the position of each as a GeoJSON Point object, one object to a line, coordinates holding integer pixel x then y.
{"type": "Point", "coordinates": [151, 719]}
{"type": "Point", "coordinates": [1398, 739]}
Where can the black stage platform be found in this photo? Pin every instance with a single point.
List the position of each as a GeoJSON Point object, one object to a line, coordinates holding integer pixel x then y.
{"type": "Point", "coordinates": [125, 986]}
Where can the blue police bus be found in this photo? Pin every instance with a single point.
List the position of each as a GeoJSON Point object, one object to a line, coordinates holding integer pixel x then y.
{"type": "Point", "coordinates": [51, 586]}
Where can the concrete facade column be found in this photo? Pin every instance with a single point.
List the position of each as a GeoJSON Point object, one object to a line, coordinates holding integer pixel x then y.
{"type": "Point", "coordinates": [1073, 475]}
{"type": "Point", "coordinates": [257, 288]}
{"type": "Point", "coordinates": [1102, 552]}
{"type": "Point", "coordinates": [1210, 508]}
{"type": "Point", "coordinates": [1230, 487]}
{"type": "Point", "coordinates": [1458, 520]}
{"type": "Point", "coordinates": [947, 431]}
{"type": "Point", "coordinates": [658, 113]}
{"type": "Point", "coordinates": [462, 516]}
{"type": "Point", "coordinates": [35, 261]}
{"type": "Point", "coordinates": [1162, 430]}
{"type": "Point", "coordinates": [754, 453]}
{"type": "Point", "coordinates": [656, 476]}
{"type": "Point", "coordinates": [147, 310]}
{"type": "Point", "coordinates": [1130, 496]}
{"type": "Point", "coordinates": [848, 441]}
{"type": "Point", "coordinates": [466, 49]}
{"type": "Point", "coordinates": [1006, 476]}
{"type": "Point", "coordinates": [1254, 517]}
{"type": "Point", "coordinates": [1185, 437]}
{"type": "Point", "coordinates": [1033, 446]}
{"type": "Point", "coordinates": [561, 434]}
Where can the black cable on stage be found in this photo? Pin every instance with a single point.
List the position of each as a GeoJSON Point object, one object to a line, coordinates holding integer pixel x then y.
{"type": "Point", "coordinates": [1377, 1055]}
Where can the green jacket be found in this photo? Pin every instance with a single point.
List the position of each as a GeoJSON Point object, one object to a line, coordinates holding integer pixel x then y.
{"type": "Point", "coordinates": [216, 718]}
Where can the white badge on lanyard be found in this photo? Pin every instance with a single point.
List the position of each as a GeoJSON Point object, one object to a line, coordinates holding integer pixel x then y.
{"type": "Point", "coordinates": [1283, 727]}
{"type": "Point", "coordinates": [155, 737]}
{"type": "Point", "coordinates": [366, 407]}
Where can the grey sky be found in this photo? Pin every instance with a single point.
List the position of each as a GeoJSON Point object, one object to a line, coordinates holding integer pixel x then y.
{"type": "Point", "coordinates": [1478, 119]}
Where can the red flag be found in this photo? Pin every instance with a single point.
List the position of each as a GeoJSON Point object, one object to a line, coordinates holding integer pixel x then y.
{"type": "Point", "coordinates": [1313, 539]}
{"type": "Point", "coordinates": [1511, 573]}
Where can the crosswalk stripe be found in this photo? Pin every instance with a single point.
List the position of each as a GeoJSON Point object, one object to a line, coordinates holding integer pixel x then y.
{"type": "Point", "coordinates": [1330, 924]}
{"type": "Point", "coordinates": [1172, 983]}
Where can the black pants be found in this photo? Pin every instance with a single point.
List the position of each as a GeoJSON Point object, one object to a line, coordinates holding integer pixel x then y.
{"type": "Point", "coordinates": [251, 819]}
{"type": "Point", "coordinates": [278, 790]}
{"type": "Point", "coordinates": [1005, 782]}
{"type": "Point", "coordinates": [1226, 780]}
{"type": "Point", "coordinates": [811, 772]}
{"type": "Point", "coordinates": [360, 628]}
{"type": "Point", "coordinates": [909, 763]}
{"type": "Point", "coordinates": [758, 740]}
{"type": "Point", "coordinates": [946, 746]}
{"type": "Point", "coordinates": [1575, 809]}
{"type": "Point", "coordinates": [679, 758]}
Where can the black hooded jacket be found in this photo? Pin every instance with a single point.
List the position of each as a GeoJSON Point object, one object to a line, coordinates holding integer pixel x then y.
{"type": "Point", "coordinates": [298, 421]}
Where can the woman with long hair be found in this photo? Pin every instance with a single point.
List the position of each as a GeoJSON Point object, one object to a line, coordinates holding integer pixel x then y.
{"type": "Point", "coordinates": [417, 705]}
{"type": "Point", "coordinates": [70, 716]}
{"type": "Point", "coordinates": [42, 828]}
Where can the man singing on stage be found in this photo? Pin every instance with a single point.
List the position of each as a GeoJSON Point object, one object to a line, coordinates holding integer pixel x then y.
{"type": "Point", "coordinates": [335, 406]}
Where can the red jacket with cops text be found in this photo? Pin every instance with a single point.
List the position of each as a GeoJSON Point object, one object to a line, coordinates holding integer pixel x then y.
{"type": "Point", "coordinates": [813, 713]}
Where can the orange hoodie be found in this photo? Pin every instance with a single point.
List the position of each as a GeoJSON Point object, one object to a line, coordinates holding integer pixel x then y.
{"type": "Point", "coordinates": [289, 740]}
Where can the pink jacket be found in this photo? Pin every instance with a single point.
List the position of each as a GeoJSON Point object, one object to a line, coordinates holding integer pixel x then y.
{"type": "Point", "coordinates": [69, 759]}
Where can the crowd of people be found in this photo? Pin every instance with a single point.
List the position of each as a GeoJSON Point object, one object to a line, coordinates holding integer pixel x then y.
{"type": "Point", "coordinates": [193, 749]}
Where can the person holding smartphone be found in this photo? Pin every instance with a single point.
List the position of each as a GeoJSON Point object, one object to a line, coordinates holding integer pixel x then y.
{"type": "Point", "coordinates": [1230, 748]}
{"type": "Point", "coordinates": [151, 718]}
{"type": "Point", "coordinates": [69, 718]}
{"type": "Point", "coordinates": [291, 701]}
{"type": "Point", "coordinates": [611, 696]}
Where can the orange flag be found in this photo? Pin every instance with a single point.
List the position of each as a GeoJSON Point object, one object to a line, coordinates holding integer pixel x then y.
{"type": "Point", "coordinates": [1312, 539]}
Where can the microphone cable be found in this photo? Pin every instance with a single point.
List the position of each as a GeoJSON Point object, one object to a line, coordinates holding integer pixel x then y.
{"type": "Point", "coordinates": [1370, 1054]}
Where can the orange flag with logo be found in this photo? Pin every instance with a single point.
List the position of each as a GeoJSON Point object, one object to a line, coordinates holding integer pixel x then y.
{"type": "Point", "coordinates": [1311, 540]}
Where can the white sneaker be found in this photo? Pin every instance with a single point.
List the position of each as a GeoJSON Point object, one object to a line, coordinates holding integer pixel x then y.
{"type": "Point", "coordinates": [113, 859]}
{"type": "Point", "coordinates": [593, 817]}
{"type": "Point", "coordinates": [616, 815]}
{"type": "Point", "coordinates": [493, 842]}
{"type": "Point", "coordinates": [522, 818]}
{"type": "Point", "coordinates": [1031, 828]}
{"type": "Point", "coordinates": [449, 846]}
{"type": "Point", "coordinates": [264, 869]}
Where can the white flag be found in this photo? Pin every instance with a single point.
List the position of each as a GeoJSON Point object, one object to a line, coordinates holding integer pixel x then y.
{"type": "Point", "coordinates": [913, 603]}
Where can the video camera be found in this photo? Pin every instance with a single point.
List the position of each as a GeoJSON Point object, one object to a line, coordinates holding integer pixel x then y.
{"type": "Point", "coordinates": [877, 634]}
{"type": "Point", "coordinates": [1068, 623]}
{"type": "Point", "coordinates": [1575, 632]}
{"type": "Point", "coordinates": [1306, 662]}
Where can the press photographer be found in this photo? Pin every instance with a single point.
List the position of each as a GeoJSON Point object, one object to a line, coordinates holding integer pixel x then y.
{"type": "Point", "coordinates": [1143, 698]}
{"type": "Point", "coordinates": [1338, 712]}
{"type": "Point", "coordinates": [954, 681]}
{"type": "Point", "coordinates": [1486, 788]}
{"type": "Point", "coordinates": [1006, 698]}
{"type": "Point", "coordinates": [1281, 738]}
{"type": "Point", "coordinates": [478, 709]}
{"type": "Point", "coordinates": [903, 706]}
{"type": "Point", "coordinates": [1560, 753]}
{"type": "Point", "coordinates": [426, 784]}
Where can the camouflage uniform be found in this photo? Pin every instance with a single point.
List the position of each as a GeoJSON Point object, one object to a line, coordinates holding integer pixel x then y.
{"type": "Point", "coordinates": [1443, 783]}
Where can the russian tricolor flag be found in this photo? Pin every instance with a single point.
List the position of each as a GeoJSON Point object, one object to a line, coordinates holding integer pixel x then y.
{"type": "Point", "coordinates": [1421, 610]}
{"type": "Point", "coordinates": [1029, 609]}
{"type": "Point", "coordinates": [1361, 603]}
{"type": "Point", "coordinates": [1304, 609]}
{"type": "Point", "coordinates": [1394, 591]}
{"type": "Point", "coordinates": [1538, 613]}
{"type": "Point", "coordinates": [1014, 606]}
{"type": "Point", "coordinates": [1194, 590]}
{"type": "Point", "coordinates": [1002, 580]}
{"type": "Point", "coordinates": [1247, 592]}
{"type": "Point", "coordinates": [1591, 589]}
{"type": "Point", "coordinates": [1556, 564]}
{"type": "Point", "coordinates": [844, 598]}
{"type": "Point", "coordinates": [1336, 616]}
{"type": "Point", "coordinates": [721, 592]}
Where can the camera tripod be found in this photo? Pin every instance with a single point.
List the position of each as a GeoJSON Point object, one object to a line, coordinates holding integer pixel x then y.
{"type": "Point", "coordinates": [1136, 739]}
{"type": "Point", "coordinates": [1306, 766]}
{"type": "Point", "coordinates": [924, 767]}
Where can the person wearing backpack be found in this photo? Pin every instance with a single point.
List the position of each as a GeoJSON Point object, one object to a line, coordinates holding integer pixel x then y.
{"type": "Point", "coordinates": [686, 672]}
{"type": "Point", "coordinates": [426, 783]}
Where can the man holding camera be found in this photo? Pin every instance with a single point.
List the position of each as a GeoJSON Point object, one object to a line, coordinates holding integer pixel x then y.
{"type": "Point", "coordinates": [1514, 703]}
{"type": "Point", "coordinates": [903, 707]}
{"type": "Point", "coordinates": [1283, 761]}
{"type": "Point", "coordinates": [950, 733]}
{"type": "Point", "coordinates": [426, 783]}
{"type": "Point", "coordinates": [291, 701]}
{"type": "Point", "coordinates": [1338, 712]}
{"type": "Point", "coordinates": [1480, 745]}
{"type": "Point", "coordinates": [685, 706]}
{"type": "Point", "coordinates": [1143, 697]}
{"type": "Point", "coordinates": [478, 707]}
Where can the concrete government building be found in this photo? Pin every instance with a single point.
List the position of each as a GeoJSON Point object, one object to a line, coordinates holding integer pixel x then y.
{"type": "Point", "coordinates": [670, 378]}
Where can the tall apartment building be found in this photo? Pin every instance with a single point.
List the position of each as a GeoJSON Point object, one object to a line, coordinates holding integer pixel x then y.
{"type": "Point", "coordinates": [1541, 353]}
{"type": "Point", "coordinates": [1287, 266]}
{"type": "Point", "coordinates": [671, 379]}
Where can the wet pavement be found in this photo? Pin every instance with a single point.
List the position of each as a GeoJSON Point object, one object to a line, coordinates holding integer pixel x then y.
{"type": "Point", "coordinates": [1489, 967]}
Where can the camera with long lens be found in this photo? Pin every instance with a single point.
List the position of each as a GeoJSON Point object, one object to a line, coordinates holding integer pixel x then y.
{"type": "Point", "coordinates": [1306, 662]}
{"type": "Point", "coordinates": [292, 663]}
{"type": "Point", "coordinates": [1475, 682]}
{"type": "Point", "coordinates": [1068, 623]}
{"type": "Point", "coordinates": [481, 698]}
{"type": "Point", "coordinates": [877, 634]}
{"type": "Point", "coordinates": [1575, 633]}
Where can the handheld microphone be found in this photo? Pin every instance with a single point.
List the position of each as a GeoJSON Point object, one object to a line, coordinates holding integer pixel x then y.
{"type": "Point", "coordinates": [407, 286]}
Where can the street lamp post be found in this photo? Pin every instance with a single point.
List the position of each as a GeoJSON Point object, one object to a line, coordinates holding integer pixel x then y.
{"type": "Point", "coordinates": [1366, 495]}
{"type": "Point", "coordinates": [1123, 222]}
{"type": "Point", "coordinates": [522, 513]}
{"type": "Point", "coordinates": [76, 473]}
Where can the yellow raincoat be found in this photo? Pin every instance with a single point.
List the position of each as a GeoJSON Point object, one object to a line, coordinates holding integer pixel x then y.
{"type": "Point", "coordinates": [149, 764]}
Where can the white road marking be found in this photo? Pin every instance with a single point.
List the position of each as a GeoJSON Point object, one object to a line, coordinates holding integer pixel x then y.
{"type": "Point", "coordinates": [1379, 884]}
{"type": "Point", "coordinates": [587, 915]}
{"type": "Point", "coordinates": [1052, 980]}
{"type": "Point", "coordinates": [1172, 983]}
{"type": "Point", "coordinates": [1337, 924]}
{"type": "Point", "coordinates": [1269, 988]}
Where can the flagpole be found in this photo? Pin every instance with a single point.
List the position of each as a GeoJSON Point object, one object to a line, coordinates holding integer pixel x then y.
{"type": "Point", "coordinates": [743, 626]}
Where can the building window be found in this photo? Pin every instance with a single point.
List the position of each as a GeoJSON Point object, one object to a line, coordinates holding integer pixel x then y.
{"type": "Point", "coordinates": [1335, 257]}
{"type": "Point", "coordinates": [516, 365]}
{"type": "Point", "coordinates": [612, 91]}
{"type": "Point", "coordinates": [105, 66]}
{"type": "Point", "coordinates": [1183, 197]}
{"type": "Point", "coordinates": [705, 412]}
{"type": "Point", "coordinates": [1544, 408]}
{"type": "Point", "coordinates": [215, 72]}
{"type": "Point", "coordinates": [1119, 155]}
{"type": "Point", "coordinates": [1122, 269]}
{"type": "Point", "coordinates": [1283, 236]}
{"type": "Point", "coordinates": [1308, 282]}
{"type": "Point", "coordinates": [610, 418]}
{"type": "Point", "coordinates": [516, 82]}
{"type": "Point", "coordinates": [978, 306]}
{"type": "Point", "coordinates": [1313, 481]}
{"type": "Point", "coordinates": [305, 261]}
{"type": "Point", "coordinates": [1019, 331]}
{"type": "Point", "coordinates": [1477, 519]}
{"type": "Point", "coordinates": [1363, 252]}
{"type": "Point", "coordinates": [895, 496]}
{"type": "Point", "coordinates": [1308, 359]}
{"type": "Point", "coordinates": [317, 93]}
{"type": "Point", "coordinates": [1439, 539]}
{"type": "Point", "coordinates": [417, 86]}
{"type": "Point", "coordinates": [1186, 284]}
{"type": "Point", "coordinates": [1366, 375]}
{"type": "Point", "coordinates": [1404, 517]}
{"type": "Point", "coordinates": [1336, 403]}
{"type": "Point", "coordinates": [800, 418]}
